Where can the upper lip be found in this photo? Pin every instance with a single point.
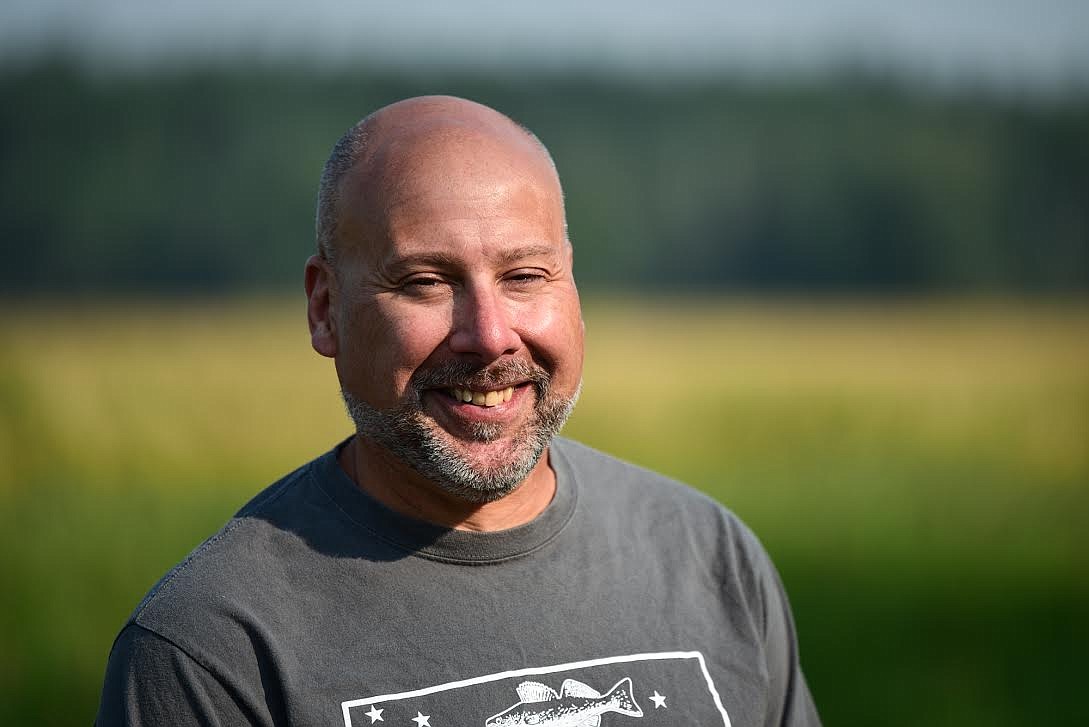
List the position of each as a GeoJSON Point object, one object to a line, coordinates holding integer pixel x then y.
{"type": "Point", "coordinates": [480, 386]}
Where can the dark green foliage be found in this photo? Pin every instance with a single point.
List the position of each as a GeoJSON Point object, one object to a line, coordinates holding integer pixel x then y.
{"type": "Point", "coordinates": [205, 180]}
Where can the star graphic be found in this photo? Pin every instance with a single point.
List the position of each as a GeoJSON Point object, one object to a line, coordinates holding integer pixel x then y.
{"type": "Point", "coordinates": [375, 714]}
{"type": "Point", "coordinates": [422, 720]}
{"type": "Point", "coordinates": [659, 700]}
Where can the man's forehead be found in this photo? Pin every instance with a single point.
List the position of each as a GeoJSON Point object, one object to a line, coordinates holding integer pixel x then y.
{"type": "Point", "coordinates": [421, 214]}
{"type": "Point", "coordinates": [416, 177]}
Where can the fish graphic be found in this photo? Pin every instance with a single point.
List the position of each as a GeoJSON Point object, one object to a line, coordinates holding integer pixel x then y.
{"type": "Point", "coordinates": [577, 705]}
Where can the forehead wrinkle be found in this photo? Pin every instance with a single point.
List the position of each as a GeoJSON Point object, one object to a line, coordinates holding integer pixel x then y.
{"type": "Point", "coordinates": [475, 212]}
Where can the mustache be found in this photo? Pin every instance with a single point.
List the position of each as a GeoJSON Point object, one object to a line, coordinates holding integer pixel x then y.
{"type": "Point", "coordinates": [466, 374]}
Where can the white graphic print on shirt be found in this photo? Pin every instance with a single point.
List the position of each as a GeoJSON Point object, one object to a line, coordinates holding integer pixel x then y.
{"type": "Point", "coordinates": [674, 686]}
{"type": "Point", "coordinates": [576, 704]}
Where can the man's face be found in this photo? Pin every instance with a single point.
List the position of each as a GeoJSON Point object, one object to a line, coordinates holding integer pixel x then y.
{"type": "Point", "coordinates": [460, 337]}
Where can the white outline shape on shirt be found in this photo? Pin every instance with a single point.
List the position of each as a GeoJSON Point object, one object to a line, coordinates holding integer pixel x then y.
{"type": "Point", "coordinates": [348, 705]}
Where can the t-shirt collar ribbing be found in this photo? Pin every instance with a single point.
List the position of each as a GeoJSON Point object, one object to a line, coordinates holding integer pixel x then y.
{"type": "Point", "coordinates": [438, 542]}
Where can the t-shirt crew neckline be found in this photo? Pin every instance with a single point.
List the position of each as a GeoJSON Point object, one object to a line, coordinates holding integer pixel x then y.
{"type": "Point", "coordinates": [438, 542]}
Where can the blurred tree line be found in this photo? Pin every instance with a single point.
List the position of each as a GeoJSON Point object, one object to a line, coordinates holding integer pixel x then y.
{"type": "Point", "coordinates": [205, 180]}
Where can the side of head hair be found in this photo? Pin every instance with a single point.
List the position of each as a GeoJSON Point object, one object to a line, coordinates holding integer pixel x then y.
{"type": "Point", "coordinates": [346, 152]}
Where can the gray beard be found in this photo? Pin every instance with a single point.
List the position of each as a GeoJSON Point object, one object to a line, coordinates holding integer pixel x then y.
{"type": "Point", "coordinates": [411, 436]}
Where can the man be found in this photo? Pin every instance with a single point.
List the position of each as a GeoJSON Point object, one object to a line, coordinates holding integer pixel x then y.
{"type": "Point", "coordinates": [453, 563]}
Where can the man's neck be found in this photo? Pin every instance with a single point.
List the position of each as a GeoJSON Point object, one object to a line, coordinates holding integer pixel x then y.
{"type": "Point", "coordinates": [403, 490]}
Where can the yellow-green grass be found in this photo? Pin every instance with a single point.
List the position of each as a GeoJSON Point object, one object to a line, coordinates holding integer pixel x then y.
{"type": "Point", "coordinates": [919, 470]}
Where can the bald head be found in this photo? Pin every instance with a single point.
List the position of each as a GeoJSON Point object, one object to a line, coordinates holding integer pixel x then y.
{"type": "Point", "coordinates": [433, 138]}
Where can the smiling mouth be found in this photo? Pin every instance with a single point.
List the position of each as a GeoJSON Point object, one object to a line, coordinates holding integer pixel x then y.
{"type": "Point", "coordinates": [481, 398]}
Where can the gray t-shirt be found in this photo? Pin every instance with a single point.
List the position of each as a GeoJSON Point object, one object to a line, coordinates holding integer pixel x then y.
{"type": "Point", "coordinates": [631, 601]}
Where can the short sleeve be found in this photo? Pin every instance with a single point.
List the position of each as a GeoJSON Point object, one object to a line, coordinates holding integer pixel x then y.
{"type": "Point", "coordinates": [151, 681]}
{"type": "Point", "coordinates": [790, 702]}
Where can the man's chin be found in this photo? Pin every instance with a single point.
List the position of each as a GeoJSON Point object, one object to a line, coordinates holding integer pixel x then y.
{"type": "Point", "coordinates": [490, 450]}
{"type": "Point", "coordinates": [474, 436]}
{"type": "Point", "coordinates": [476, 460]}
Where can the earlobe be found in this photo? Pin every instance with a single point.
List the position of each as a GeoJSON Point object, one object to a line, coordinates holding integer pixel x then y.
{"type": "Point", "coordinates": [319, 281]}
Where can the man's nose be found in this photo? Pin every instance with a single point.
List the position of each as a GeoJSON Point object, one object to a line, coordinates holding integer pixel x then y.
{"type": "Point", "coordinates": [483, 324]}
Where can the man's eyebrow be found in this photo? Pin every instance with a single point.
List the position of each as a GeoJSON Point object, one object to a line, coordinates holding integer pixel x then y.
{"type": "Point", "coordinates": [404, 263]}
{"type": "Point", "coordinates": [528, 250]}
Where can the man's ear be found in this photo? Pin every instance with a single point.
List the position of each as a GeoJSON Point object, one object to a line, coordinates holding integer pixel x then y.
{"type": "Point", "coordinates": [320, 286]}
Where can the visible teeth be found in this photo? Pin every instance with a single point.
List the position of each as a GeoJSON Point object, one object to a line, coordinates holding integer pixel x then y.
{"type": "Point", "coordinates": [482, 398]}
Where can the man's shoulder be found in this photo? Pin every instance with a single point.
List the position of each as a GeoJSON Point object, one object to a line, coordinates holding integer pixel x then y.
{"type": "Point", "coordinates": [611, 473]}
{"type": "Point", "coordinates": [610, 483]}
{"type": "Point", "coordinates": [204, 628]}
{"type": "Point", "coordinates": [228, 573]}
{"type": "Point", "coordinates": [645, 513]}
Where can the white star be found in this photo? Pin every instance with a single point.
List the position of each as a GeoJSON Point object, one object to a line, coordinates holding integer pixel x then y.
{"type": "Point", "coordinates": [422, 720]}
{"type": "Point", "coordinates": [375, 714]}
{"type": "Point", "coordinates": [658, 699]}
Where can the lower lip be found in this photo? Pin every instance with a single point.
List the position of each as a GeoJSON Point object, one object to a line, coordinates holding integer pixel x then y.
{"type": "Point", "coordinates": [502, 411]}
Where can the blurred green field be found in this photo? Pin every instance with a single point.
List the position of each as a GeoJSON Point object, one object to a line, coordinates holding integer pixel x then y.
{"type": "Point", "coordinates": [920, 472]}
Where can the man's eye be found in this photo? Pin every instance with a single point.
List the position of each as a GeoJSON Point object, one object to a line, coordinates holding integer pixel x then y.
{"type": "Point", "coordinates": [526, 277]}
{"type": "Point", "coordinates": [421, 285]}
